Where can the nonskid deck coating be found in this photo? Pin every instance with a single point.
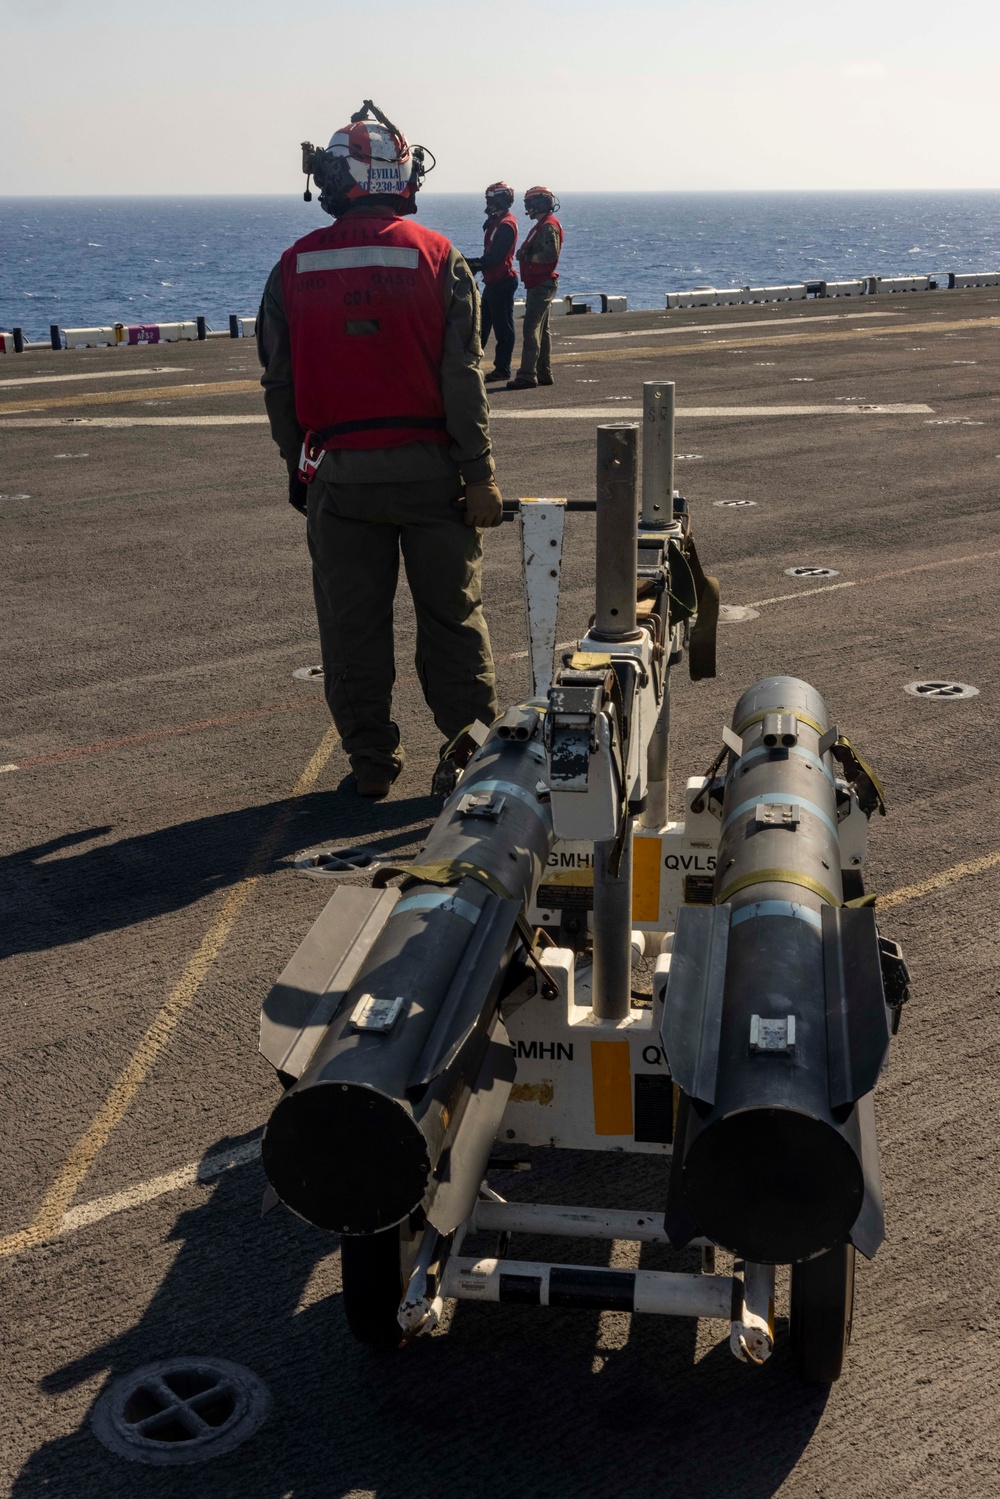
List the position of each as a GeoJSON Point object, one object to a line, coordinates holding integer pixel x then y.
{"type": "Point", "coordinates": [160, 599]}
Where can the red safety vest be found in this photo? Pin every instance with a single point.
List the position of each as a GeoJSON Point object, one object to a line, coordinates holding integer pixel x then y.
{"type": "Point", "coordinates": [504, 270]}
{"type": "Point", "coordinates": [531, 273]}
{"type": "Point", "coordinates": [365, 306]}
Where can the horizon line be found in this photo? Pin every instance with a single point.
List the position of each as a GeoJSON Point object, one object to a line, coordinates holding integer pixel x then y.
{"type": "Point", "coordinates": [477, 192]}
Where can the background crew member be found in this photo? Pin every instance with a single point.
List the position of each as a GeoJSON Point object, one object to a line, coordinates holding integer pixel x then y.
{"type": "Point", "coordinates": [538, 256]}
{"type": "Point", "coordinates": [499, 277]}
{"type": "Point", "coordinates": [368, 332]}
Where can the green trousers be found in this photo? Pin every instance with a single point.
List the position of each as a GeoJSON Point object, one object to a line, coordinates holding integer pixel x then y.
{"type": "Point", "coordinates": [356, 534]}
{"type": "Point", "coordinates": [536, 346]}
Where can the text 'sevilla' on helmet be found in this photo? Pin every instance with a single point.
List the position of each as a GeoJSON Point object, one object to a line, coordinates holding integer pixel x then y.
{"type": "Point", "coordinates": [369, 157]}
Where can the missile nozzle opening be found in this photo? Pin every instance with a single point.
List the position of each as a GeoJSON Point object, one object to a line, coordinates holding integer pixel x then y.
{"type": "Point", "coordinates": [773, 1185]}
{"type": "Point", "coordinates": [345, 1157]}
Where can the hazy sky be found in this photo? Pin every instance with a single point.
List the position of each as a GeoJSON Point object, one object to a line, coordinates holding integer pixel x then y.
{"type": "Point", "coordinates": [126, 96]}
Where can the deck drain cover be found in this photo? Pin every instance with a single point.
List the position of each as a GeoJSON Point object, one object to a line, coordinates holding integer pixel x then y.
{"type": "Point", "coordinates": [941, 689]}
{"type": "Point", "coordinates": [180, 1410]}
{"type": "Point", "coordinates": [337, 863]}
{"type": "Point", "coordinates": [736, 614]}
{"type": "Point", "coordinates": [308, 673]}
{"type": "Point", "coordinates": [811, 572]}
{"type": "Point", "coordinates": [732, 504]}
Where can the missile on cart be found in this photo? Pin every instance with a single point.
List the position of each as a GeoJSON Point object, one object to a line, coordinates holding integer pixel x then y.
{"type": "Point", "coordinates": [407, 1069]}
{"type": "Point", "coordinates": [775, 1023]}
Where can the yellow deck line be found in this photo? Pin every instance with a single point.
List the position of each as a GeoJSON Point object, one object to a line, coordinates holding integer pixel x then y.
{"type": "Point", "coordinates": [205, 389]}
{"type": "Point", "coordinates": [762, 341]}
{"type": "Point", "coordinates": [48, 1219]}
{"type": "Point", "coordinates": [940, 881]}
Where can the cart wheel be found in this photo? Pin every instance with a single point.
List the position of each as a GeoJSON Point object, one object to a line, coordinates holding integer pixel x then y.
{"type": "Point", "coordinates": [372, 1267]}
{"type": "Point", "coordinates": [822, 1309]}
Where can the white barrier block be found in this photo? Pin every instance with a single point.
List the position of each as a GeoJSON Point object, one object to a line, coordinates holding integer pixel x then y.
{"type": "Point", "coordinates": [973, 278]}
{"type": "Point", "coordinates": [795, 292]}
{"type": "Point", "coordinates": [6, 343]}
{"type": "Point", "coordinates": [613, 303]}
{"type": "Point", "coordinates": [88, 338]}
{"type": "Point", "coordinates": [560, 306]}
{"type": "Point", "coordinates": [856, 288]}
{"type": "Point", "coordinates": [173, 332]}
{"type": "Point", "coordinates": [248, 327]}
{"type": "Point", "coordinates": [901, 283]}
{"type": "Point", "coordinates": [702, 296]}
{"type": "Point", "coordinates": [519, 309]}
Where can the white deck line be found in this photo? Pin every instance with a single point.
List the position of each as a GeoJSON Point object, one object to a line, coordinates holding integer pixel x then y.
{"type": "Point", "coordinates": [134, 421]}
{"type": "Point", "coordinates": [539, 414]}
{"type": "Point", "coordinates": [160, 369]}
{"type": "Point", "coordinates": [204, 1170]}
{"type": "Point", "coordinates": [757, 322]}
{"type": "Point", "coordinates": [634, 413]}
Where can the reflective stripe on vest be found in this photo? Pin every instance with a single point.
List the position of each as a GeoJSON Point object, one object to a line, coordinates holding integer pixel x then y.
{"type": "Point", "coordinates": [532, 273]}
{"type": "Point", "coordinates": [364, 298]}
{"type": "Point", "coordinates": [504, 271]}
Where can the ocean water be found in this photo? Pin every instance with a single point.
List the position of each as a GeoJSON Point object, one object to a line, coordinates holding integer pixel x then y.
{"type": "Point", "coordinates": [84, 262]}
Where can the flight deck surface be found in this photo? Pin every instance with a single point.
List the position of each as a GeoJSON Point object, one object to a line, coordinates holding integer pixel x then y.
{"type": "Point", "coordinates": [162, 766]}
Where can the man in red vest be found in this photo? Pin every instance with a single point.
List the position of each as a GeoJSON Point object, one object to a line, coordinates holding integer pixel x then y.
{"type": "Point", "coordinates": [538, 256]}
{"type": "Point", "coordinates": [499, 276]}
{"type": "Point", "coordinates": [368, 333]}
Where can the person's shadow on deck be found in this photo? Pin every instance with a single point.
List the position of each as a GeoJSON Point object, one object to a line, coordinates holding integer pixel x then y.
{"type": "Point", "coordinates": [509, 1401]}
{"type": "Point", "coordinates": [50, 897]}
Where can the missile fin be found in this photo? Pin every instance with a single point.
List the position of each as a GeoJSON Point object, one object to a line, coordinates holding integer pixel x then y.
{"type": "Point", "coordinates": [463, 1163]}
{"type": "Point", "coordinates": [692, 1010]}
{"type": "Point", "coordinates": [309, 992]}
{"type": "Point", "coordinates": [468, 991]}
{"type": "Point", "coordinates": [680, 1226]}
{"type": "Point", "coordinates": [868, 1229]}
{"type": "Point", "coordinates": [857, 1018]}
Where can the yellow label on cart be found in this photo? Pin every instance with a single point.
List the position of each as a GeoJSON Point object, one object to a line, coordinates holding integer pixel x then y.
{"type": "Point", "coordinates": [611, 1068]}
{"type": "Point", "coordinates": [646, 878]}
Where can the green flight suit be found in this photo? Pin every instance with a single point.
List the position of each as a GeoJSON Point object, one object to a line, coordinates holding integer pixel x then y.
{"type": "Point", "coordinates": [366, 507]}
{"type": "Point", "coordinates": [536, 345]}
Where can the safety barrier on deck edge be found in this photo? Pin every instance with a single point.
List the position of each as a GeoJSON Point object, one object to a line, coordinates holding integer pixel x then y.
{"type": "Point", "coordinates": [862, 286]}
{"type": "Point", "coordinates": [577, 302]}
{"type": "Point", "coordinates": [14, 342]}
{"type": "Point", "coordinates": [132, 334]}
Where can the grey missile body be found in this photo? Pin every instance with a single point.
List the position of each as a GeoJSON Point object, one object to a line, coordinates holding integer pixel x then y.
{"type": "Point", "coordinates": [415, 1064]}
{"type": "Point", "coordinates": [775, 1023]}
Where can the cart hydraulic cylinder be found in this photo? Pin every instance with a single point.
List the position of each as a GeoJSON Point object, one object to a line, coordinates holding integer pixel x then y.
{"type": "Point", "coordinates": [775, 1023]}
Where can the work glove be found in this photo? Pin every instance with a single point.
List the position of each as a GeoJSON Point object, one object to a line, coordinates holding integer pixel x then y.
{"type": "Point", "coordinates": [483, 504]}
{"type": "Point", "coordinates": [474, 265]}
{"type": "Point", "coordinates": [298, 493]}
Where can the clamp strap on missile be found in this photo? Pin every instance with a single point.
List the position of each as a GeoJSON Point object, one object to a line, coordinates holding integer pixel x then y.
{"type": "Point", "coordinates": [683, 592]}
{"type": "Point", "coordinates": [860, 775]}
{"type": "Point", "coordinates": [776, 877]}
{"type": "Point", "coordinates": [792, 877]}
{"type": "Point", "coordinates": [453, 872]}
